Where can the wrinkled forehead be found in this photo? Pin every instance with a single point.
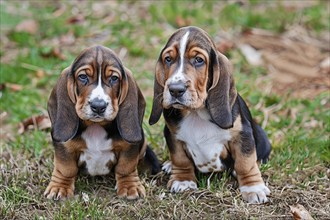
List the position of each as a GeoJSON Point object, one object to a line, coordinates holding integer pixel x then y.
{"type": "Point", "coordinates": [97, 57]}
{"type": "Point", "coordinates": [195, 37]}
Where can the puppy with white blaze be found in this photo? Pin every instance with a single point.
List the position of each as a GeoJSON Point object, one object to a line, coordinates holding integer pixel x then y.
{"type": "Point", "coordinates": [209, 127]}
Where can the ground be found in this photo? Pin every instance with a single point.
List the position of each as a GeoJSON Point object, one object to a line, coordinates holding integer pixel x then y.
{"type": "Point", "coordinates": [286, 88]}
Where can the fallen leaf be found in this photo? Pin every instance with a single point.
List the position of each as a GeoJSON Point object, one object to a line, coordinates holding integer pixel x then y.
{"type": "Point", "coordinates": [251, 55]}
{"type": "Point", "coordinates": [13, 87]}
{"type": "Point", "coordinates": [181, 22]}
{"type": "Point", "coordinates": [300, 213]}
{"type": "Point", "coordinates": [79, 18]}
{"type": "Point", "coordinates": [325, 66]}
{"type": "Point", "coordinates": [40, 122]}
{"type": "Point", "coordinates": [68, 38]}
{"type": "Point", "coordinates": [58, 53]}
{"type": "Point", "coordinates": [59, 11]}
{"type": "Point", "coordinates": [224, 46]}
{"type": "Point", "coordinates": [30, 26]}
{"type": "Point", "coordinates": [40, 74]}
{"type": "Point", "coordinates": [312, 124]}
{"type": "Point", "coordinates": [54, 52]}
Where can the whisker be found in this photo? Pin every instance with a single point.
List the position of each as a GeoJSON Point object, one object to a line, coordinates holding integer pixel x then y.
{"type": "Point", "coordinates": [160, 94]}
{"type": "Point", "coordinates": [159, 97]}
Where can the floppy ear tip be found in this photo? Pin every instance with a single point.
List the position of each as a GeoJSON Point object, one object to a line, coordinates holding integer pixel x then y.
{"type": "Point", "coordinates": [61, 135]}
{"type": "Point", "coordinates": [224, 123]}
{"type": "Point", "coordinates": [58, 137]}
{"type": "Point", "coordinates": [226, 126]}
{"type": "Point", "coordinates": [155, 115]}
{"type": "Point", "coordinates": [133, 139]}
{"type": "Point", "coordinates": [131, 132]}
{"type": "Point", "coordinates": [156, 111]}
{"type": "Point", "coordinates": [152, 120]}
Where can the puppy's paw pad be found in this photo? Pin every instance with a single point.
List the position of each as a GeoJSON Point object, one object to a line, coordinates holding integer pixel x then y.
{"type": "Point", "coordinates": [167, 167]}
{"type": "Point", "coordinates": [180, 186]}
{"type": "Point", "coordinates": [132, 192]}
{"type": "Point", "coordinates": [58, 192]}
{"type": "Point", "coordinates": [256, 194]}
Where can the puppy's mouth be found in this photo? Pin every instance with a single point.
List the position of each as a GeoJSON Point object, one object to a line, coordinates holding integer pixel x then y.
{"type": "Point", "coordinates": [178, 105]}
{"type": "Point", "coordinates": [184, 104]}
{"type": "Point", "coordinates": [100, 118]}
{"type": "Point", "coordinates": [96, 119]}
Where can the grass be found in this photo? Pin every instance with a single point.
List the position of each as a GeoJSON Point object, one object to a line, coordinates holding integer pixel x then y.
{"type": "Point", "coordinates": [298, 128]}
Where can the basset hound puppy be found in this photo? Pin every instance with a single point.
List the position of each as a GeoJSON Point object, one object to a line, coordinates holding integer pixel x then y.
{"type": "Point", "coordinates": [96, 110]}
{"type": "Point", "coordinates": [208, 125]}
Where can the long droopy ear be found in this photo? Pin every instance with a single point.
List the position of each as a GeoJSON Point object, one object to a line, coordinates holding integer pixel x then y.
{"type": "Point", "coordinates": [131, 110]}
{"type": "Point", "coordinates": [157, 106]}
{"type": "Point", "coordinates": [61, 108]}
{"type": "Point", "coordinates": [222, 93]}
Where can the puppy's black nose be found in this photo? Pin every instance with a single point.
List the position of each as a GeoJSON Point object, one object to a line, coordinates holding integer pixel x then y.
{"type": "Point", "coordinates": [177, 89]}
{"type": "Point", "coordinates": [98, 105]}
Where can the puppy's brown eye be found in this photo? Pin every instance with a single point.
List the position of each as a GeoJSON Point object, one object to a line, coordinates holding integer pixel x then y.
{"type": "Point", "coordinates": [168, 60]}
{"type": "Point", "coordinates": [198, 61]}
{"type": "Point", "coordinates": [113, 78]}
{"type": "Point", "coordinates": [83, 78]}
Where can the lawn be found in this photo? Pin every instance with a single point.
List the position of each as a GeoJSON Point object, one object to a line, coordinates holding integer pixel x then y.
{"type": "Point", "coordinates": [40, 38]}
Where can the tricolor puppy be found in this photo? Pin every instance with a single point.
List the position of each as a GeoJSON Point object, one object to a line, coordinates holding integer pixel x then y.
{"type": "Point", "coordinates": [96, 111]}
{"type": "Point", "coordinates": [208, 125]}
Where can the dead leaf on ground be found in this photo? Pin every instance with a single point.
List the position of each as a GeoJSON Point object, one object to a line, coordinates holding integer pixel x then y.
{"type": "Point", "coordinates": [54, 52]}
{"type": "Point", "coordinates": [59, 11]}
{"type": "Point", "coordinates": [39, 122]}
{"type": "Point", "coordinates": [40, 74]}
{"type": "Point", "coordinates": [30, 26]}
{"type": "Point", "coordinates": [294, 64]}
{"type": "Point", "coordinates": [300, 213]}
{"type": "Point", "coordinates": [252, 55]}
{"type": "Point", "coordinates": [225, 45]}
{"type": "Point", "coordinates": [325, 66]}
{"type": "Point", "coordinates": [68, 38]}
{"type": "Point", "coordinates": [12, 86]}
{"type": "Point", "coordinates": [181, 22]}
{"type": "Point", "coordinates": [79, 18]}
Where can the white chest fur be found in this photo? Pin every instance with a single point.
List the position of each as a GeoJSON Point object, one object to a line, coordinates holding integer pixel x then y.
{"type": "Point", "coordinates": [99, 151]}
{"type": "Point", "coordinates": [205, 141]}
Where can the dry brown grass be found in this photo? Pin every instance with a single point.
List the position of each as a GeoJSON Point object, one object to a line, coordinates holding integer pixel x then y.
{"type": "Point", "coordinates": [23, 180]}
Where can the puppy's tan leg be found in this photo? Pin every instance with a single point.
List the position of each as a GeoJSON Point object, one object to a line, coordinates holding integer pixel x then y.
{"type": "Point", "coordinates": [251, 184]}
{"type": "Point", "coordinates": [183, 170]}
{"type": "Point", "coordinates": [128, 182]}
{"type": "Point", "coordinates": [61, 185]}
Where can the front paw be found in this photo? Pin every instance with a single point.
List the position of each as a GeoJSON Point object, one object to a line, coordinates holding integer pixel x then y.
{"type": "Point", "coordinates": [131, 190]}
{"type": "Point", "coordinates": [58, 192]}
{"type": "Point", "coordinates": [256, 194]}
{"type": "Point", "coordinates": [167, 167]}
{"type": "Point", "coordinates": [180, 186]}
